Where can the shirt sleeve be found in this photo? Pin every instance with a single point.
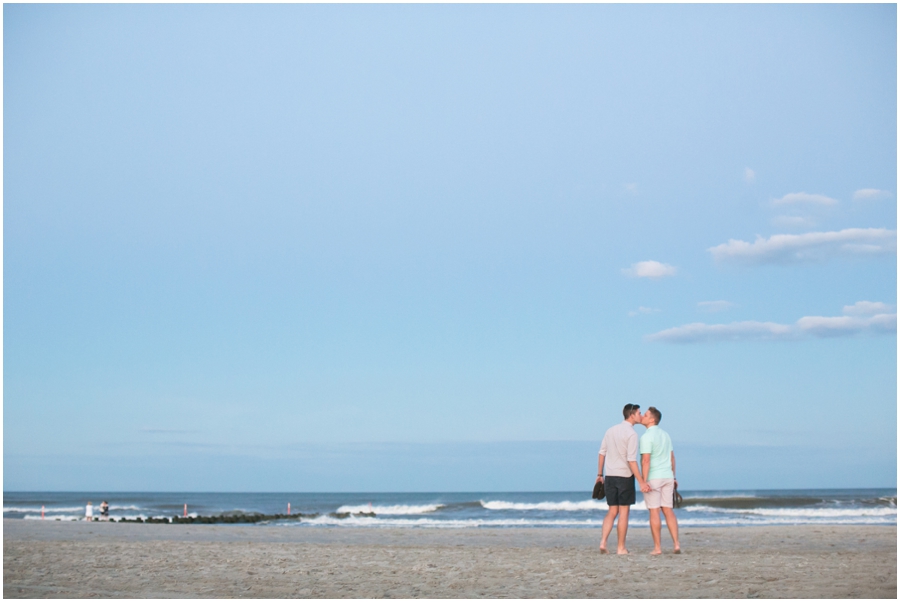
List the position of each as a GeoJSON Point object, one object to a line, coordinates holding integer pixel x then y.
{"type": "Point", "coordinates": [603, 446]}
{"type": "Point", "coordinates": [632, 448]}
{"type": "Point", "coordinates": [646, 444]}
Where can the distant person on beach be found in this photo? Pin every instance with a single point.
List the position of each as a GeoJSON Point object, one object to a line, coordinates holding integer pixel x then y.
{"type": "Point", "coordinates": [89, 512]}
{"type": "Point", "coordinates": [658, 464]}
{"type": "Point", "coordinates": [618, 453]}
{"type": "Point", "coordinates": [104, 510]}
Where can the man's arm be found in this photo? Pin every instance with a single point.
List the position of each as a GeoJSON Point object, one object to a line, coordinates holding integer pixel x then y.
{"type": "Point", "coordinates": [645, 463]}
{"type": "Point", "coordinates": [600, 462]}
{"type": "Point", "coordinates": [673, 465]}
{"type": "Point", "coordinates": [637, 473]}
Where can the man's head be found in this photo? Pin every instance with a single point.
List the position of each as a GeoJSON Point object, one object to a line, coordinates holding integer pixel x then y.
{"type": "Point", "coordinates": [651, 417]}
{"type": "Point", "coordinates": [632, 413]}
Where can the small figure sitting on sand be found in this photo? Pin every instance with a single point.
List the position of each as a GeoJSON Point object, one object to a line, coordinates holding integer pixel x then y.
{"type": "Point", "coordinates": [618, 452]}
{"type": "Point", "coordinates": [104, 510]}
{"type": "Point", "coordinates": [658, 463]}
{"type": "Point", "coordinates": [89, 512]}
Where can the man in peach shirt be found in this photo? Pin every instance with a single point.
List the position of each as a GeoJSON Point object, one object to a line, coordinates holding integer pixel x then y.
{"type": "Point", "coordinates": [618, 453]}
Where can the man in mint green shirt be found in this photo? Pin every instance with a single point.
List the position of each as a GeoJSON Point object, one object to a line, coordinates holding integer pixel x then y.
{"type": "Point", "coordinates": [658, 466]}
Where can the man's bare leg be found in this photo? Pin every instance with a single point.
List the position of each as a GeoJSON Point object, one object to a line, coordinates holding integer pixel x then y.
{"type": "Point", "coordinates": [672, 524]}
{"type": "Point", "coordinates": [622, 529]}
{"type": "Point", "coordinates": [655, 531]}
{"type": "Point", "coordinates": [607, 526]}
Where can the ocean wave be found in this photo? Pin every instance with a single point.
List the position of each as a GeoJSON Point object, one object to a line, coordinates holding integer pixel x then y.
{"type": "Point", "coordinates": [52, 509]}
{"type": "Point", "coordinates": [800, 512]}
{"type": "Point", "coordinates": [429, 523]}
{"type": "Point", "coordinates": [369, 521]}
{"type": "Point", "coordinates": [432, 523]}
{"type": "Point", "coordinates": [566, 506]}
{"type": "Point", "coordinates": [80, 517]}
{"type": "Point", "coordinates": [751, 501]}
{"type": "Point", "coordinates": [748, 521]}
{"type": "Point", "coordinates": [48, 509]}
{"type": "Point", "coordinates": [391, 510]}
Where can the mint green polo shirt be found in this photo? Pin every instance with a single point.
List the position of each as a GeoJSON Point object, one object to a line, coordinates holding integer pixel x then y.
{"type": "Point", "coordinates": [658, 444]}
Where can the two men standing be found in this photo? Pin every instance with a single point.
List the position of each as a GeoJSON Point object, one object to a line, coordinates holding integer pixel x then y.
{"type": "Point", "coordinates": [618, 454]}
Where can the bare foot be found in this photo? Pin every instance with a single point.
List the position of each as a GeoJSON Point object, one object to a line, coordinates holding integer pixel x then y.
{"type": "Point", "coordinates": [677, 550]}
{"type": "Point", "coordinates": [622, 552]}
{"type": "Point", "coordinates": [656, 552]}
{"type": "Point", "coordinates": [603, 550]}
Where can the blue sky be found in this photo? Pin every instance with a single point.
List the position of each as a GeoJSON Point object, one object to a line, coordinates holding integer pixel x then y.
{"type": "Point", "coordinates": [364, 247]}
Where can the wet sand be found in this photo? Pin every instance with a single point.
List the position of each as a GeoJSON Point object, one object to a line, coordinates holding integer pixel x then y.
{"type": "Point", "coordinates": [72, 560]}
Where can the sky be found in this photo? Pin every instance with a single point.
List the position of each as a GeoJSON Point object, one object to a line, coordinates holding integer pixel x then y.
{"type": "Point", "coordinates": [438, 247]}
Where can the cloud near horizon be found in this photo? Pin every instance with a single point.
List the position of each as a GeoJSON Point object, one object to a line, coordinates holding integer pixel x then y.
{"type": "Point", "coordinates": [812, 246]}
{"type": "Point", "coordinates": [793, 221]}
{"type": "Point", "coordinates": [803, 198]}
{"type": "Point", "coordinates": [642, 310]}
{"type": "Point", "coordinates": [870, 194]}
{"type": "Point", "coordinates": [867, 308]}
{"type": "Point", "coordinates": [714, 306]}
{"type": "Point", "coordinates": [650, 269]}
{"type": "Point", "coordinates": [807, 326]}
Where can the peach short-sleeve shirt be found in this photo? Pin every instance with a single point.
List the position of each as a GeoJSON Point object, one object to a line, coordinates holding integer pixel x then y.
{"type": "Point", "coordinates": [620, 446]}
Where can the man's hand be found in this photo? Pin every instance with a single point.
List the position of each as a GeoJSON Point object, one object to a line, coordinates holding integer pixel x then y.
{"type": "Point", "coordinates": [645, 488]}
{"type": "Point", "coordinates": [599, 479]}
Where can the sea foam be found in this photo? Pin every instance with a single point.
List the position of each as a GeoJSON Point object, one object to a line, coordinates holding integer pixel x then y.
{"type": "Point", "coordinates": [391, 510]}
{"type": "Point", "coordinates": [565, 506]}
{"type": "Point", "coordinates": [799, 512]}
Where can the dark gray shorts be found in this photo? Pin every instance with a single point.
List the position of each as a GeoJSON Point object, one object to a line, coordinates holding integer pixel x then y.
{"type": "Point", "coordinates": [620, 491]}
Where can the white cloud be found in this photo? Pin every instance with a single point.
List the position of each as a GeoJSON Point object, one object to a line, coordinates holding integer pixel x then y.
{"type": "Point", "coordinates": [815, 326]}
{"type": "Point", "coordinates": [649, 269]}
{"type": "Point", "coordinates": [812, 246]}
{"type": "Point", "coordinates": [802, 198]}
{"type": "Point", "coordinates": [870, 194]}
{"type": "Point", "coordinates": [631, 189]}
{"type": "Point", "coordinates": [642, 310]}
{"type": "Point", "coordinates": [699, 332]}
{"type": "Point", "coordinates": [867, 308]}
{"type": "Point", "coordinates": [749, 175]}
{"type": "Point", "coordinates": [714, 306]}
{"type": "Point", "coordinates": [843, 325]}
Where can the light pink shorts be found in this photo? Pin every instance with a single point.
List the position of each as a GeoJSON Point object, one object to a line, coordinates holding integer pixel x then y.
{"type": "Point", "coordinates": [661, 493]}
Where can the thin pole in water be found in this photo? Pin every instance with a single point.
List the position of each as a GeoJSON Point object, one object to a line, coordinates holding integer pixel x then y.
{"type": "Point", "coordinates": [185, 511]}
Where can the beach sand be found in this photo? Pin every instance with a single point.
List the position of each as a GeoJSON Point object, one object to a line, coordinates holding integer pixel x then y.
{"type": "Point", "coordinates": [71, 560]}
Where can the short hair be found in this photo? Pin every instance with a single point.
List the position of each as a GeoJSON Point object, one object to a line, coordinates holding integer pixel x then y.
{"type": "Point", "coordinates": [657, 415]}
{"type": "Point", "coordinates": [629, 409]}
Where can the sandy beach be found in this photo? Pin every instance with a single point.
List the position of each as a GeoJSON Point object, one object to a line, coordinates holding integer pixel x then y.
{"type": "Point", "coordinates": [72, 560]}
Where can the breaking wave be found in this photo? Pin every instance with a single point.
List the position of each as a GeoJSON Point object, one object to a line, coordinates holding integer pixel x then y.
{"type": "Point", "coordinates": [800, 512]}
{"type": "Point", "coordinates": [565, 506]}
{"type": "Point", "coordinates": [391, 510]}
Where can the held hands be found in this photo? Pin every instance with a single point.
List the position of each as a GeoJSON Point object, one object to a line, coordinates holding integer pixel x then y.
{"type": "Point", "coordinates": [645, 488]}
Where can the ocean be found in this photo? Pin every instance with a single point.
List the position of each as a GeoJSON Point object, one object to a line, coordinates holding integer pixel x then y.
{"type": "Point", "coordinates": [479, 509]}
